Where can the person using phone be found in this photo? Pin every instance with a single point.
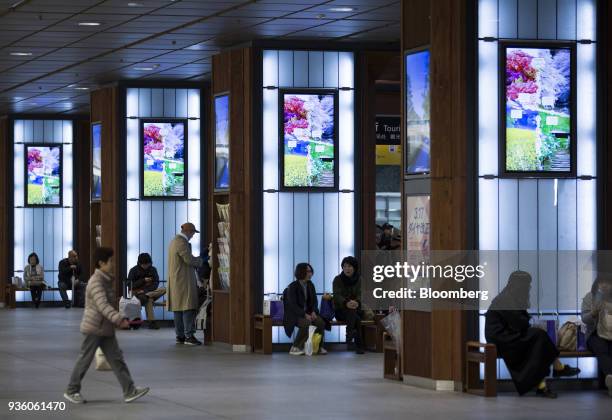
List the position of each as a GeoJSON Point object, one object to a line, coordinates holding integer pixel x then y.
{"type": "Point", "coordinates": [69, 269]}
{"type": "Point", "coordinates": [100, 318]}
{"type": "Point", "coordinates": [144, 281]}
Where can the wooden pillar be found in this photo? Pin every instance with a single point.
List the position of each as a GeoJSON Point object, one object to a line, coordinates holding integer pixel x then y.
{"type": "Point", "coordinates": [433, 345]}
{"type": "Point", "coordinates": [6, 200]}
{"type": "Point", "coordinates": [81, 185]}
{"type": "Point", "coordinates": [604, 57]}
{"type": "Point", "coordinates": [232, 310]}
{"type": "Point", "coordinates": [106, 106]}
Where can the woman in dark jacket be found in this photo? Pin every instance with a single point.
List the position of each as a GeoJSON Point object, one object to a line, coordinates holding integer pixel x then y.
{"type": "Point", "coordinates": [527, 351]}
{"type": "Point", "coordinates": [347, 301]}
{"type": "Point", "coordinates": [302, 309]}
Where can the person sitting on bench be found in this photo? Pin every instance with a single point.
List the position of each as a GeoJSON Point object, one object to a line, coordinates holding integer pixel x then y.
{"type": "Point", "coordinates": [347, 301]}
{"type": "Point", "coordinates": [34, 277]}
{"type": "Point", "coordinates": [69, 270]}
{"type": "Point", "coordinates": [144, 281]}
{"type": "Point", "coordinates": [302, 309]}
{"type": "Point", "coordinates": [597, 316]}
{"type": "Point", "coordinates": [527, 351]}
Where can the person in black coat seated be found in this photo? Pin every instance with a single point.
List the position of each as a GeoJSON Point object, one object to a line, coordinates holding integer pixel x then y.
{"type": "Point", "coordinates": [347, 301]}
{"type": "Point", "coordinates": [527, 351]}
{"type": "Point", "coordinates": [144, 281]}
{"type": "Point", "coordinates": [68, 268]}
{"type": "Point", "coordinates": [302, 309]}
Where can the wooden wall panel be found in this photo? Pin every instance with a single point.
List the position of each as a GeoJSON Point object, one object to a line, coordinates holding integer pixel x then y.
{"type": "Point", "coordinates": [416, 30]}
{"type": "Point", "coordinates": [6, 189]}
{"type": "Point", "coordinates": [232, 72]}
{"type": "Point", "coordinates": [605, 103]}
{"type": "Point", "coordinates": [82, 174]}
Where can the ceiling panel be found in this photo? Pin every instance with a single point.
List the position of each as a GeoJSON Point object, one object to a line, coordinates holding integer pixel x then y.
{"type": "Point", "coordinates": [156, 40]}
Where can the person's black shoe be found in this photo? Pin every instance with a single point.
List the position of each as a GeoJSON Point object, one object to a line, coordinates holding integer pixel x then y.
{"type": "Point", "coordinates": [546, 393]}
{"type": "Point", "coordinates": [192, 341]}
{"type": "Point", "coordinates": [67, 306]}
{"type": "Point", "coordinates": [180, 340]}
{"type": "Point", "coordinates": [153, 325]}
{"type": "Point", "coordinates": [359, 350]}
{"type": "Point", "coordinates": [566, 371]}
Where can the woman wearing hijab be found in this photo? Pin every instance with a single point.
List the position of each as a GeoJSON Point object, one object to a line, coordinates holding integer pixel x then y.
{"type": "Point", "coordinates": [347, 301]}
{"type": "Point", "coordinates": [527, 351]}
{"type": "Point", "coordinates": [597, 316]}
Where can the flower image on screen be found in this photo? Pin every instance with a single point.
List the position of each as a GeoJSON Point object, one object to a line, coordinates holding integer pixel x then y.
{"type": "Point", "coordinates": [163, 159]}
{"type": "Point", "coordinates": [417, 112]}
{"type": "Point", "coordinates": [222, 175]}
{"type": "Point", "coordinates": [44, 169]}
{"type": "Point", "coordinates": [96, 161]}
{"type": "Point", "coordinates": [537, 109]}
{"type": "Point", "coordinates": [309, 140]}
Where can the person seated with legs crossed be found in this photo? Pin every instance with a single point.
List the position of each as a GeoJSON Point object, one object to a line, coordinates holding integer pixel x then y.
{"type": "Point", "coordinates": [144, 281]}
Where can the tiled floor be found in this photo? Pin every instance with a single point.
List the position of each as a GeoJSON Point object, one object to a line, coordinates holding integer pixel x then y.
{"type": "Point", "coordinates": [38, 349]}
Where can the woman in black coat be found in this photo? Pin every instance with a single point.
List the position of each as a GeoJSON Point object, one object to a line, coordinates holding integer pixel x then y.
{"type": "Point", "coordinates": [527, 351]}
{"type": "Point", "coordinates": [302, 309]}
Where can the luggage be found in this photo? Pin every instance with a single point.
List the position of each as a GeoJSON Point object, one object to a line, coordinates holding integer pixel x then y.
{"type": "Point", "coordinates": [78, 293]}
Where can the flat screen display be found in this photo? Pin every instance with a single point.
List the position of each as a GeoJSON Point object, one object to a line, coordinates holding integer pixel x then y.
{"type": "Point", "coordinates": [96, 161]}
{"type": "Point", "coordinates": [388, 140]}
{"type": "Point", "coordinates": [222, 175]}
{"type": "Point", "coordinates": [164, 157]}
{"type": "Point", "coordinates": [44, 175]}
{"type": "Point", "coordinates": [309, 139]}
{"type": "Point", "coordinates": [417, 113]}
{"type": "Point", "coordinates": [536, 109]}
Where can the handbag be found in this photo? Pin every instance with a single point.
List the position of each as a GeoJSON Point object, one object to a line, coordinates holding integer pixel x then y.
{"type": "Point", "coordinates": [309, 346]}
{"type": "Point", "coordinates": [327, 309]}
{"type": "Point", "coordinates": [101, 362]}
{"type": "Point", "coordinates": [130, 307]}
{"type": "Point", "coordinates": [567, 336]}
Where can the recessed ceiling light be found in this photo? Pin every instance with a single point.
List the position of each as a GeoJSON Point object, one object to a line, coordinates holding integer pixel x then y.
{"type": "Point", "coordinates": [342, 9]}
{"type": "Point", "coordinates": [89, 23]}
{"type": "Point", "coordinates": [134, 4]}
{"type": "Point", "coordinates": [146, 68]}
{"type": "Point", "coordinates": [21, 54]}
{"type": "Point", "coordinates": [81, 88]}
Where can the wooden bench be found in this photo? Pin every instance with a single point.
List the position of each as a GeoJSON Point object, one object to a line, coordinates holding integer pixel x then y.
{"type": "Point", "coordinates": [10, 291]}
{"type": "Point", "coordinates": [392, 362]}
{"type": "Point", "coordinates": [474, 357]}
{"type": "Point", "coordinates": [262, 334]}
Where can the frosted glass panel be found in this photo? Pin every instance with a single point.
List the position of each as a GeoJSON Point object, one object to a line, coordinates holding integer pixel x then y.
{"type": "Point", "coordinates": [270, 139]}
{"type": "Point", "coordinates": [28, 130]}
{"type": "Point", "coordinates": [285, 68]}
{"type": "Point", "coordinates": [332, 257]}
{"type": "Point", "coordinates": [346, 228]}
{"type": "Point", "coordinates": [316, 244]}
{"type": "Point", "coordinates": [145, 234]}
{"type": "Point", "coordinates": [300, 228]}
{"type": "Point", "coordinates": [285, 253]}
{"type": "Point", "coordinates": [507, 18]}
{"type": "Point", "coordinates": [488, 215]}
{"type": "Point", "coordinates": [67, 175]}
{"type": "Point", "coordinates": [194, 166]}
{"type": "Point", "coordinates": [132, 232]}
{"type": "Point", "coordinates": [346, 62]}
{"type": "Point", "coordinates": [566, 19]}
{"type": "Point", "coordinates": [133, 149]}
{"type": "Point", "coordinates": [487, 18]}
{"type": "Point", "coordinates": [586, 20]}
{"type": "Point", "coordinates": [270, 68]}
{"type": "Point", "coordinates": [48, 131]}
{"type": "Point", "coordinates": [586, 110]}
{"type": "Point", "coordinates": [181, 101]}
{"type": "Point", "coordinates": [47, 258]}
{"type": "Point", "coordinates": [157, 102]}
{"type": "Point", "coordinates": [528, 215]}
{"type": "Point", "coordinates": [18, 174]}
{"type": "Point", "coordinates": [488, 106]}
{"type": "Point", "coordinates": [193, 105]}
{"type": "Point", "coordinates": [330, 62]}
{"type": "Point", "coordinates": [300, 68]}
{"type": "Point", "coordinates": [169, 103]}
{"type": "Point", "coordinates": [587, 215]}
{"type": "Point", "coordinates": [271, 242]}
{"type": "Point", "coordinates": [157, 240]}
{"type": "Point", "coordinates": [508, 214]}
{"type": "Point", "coordinates": [144, 102]}
{"type": "Point", "coordinates": [315, 69]}
{"type": "Point", "coordinates": [547, 19]}
{"type": "Point", "coordinates": [527, 19]}
{"type": "Point", "coordinates": [567, 215]}
{"type": "Point", "coordinates": [132, 102]}
{"type": "Point", "coordinates": [547, 215]}
{"type": "Point", "coordinates": [346, 149]}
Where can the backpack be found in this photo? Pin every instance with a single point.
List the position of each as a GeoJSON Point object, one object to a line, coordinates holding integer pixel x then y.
{"type": "Point", "coordinates": [567, 337]}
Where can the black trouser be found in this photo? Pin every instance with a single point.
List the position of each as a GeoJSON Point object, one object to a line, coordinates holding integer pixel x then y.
{"type": "Point", "coordinates": [62, 289]}
{"type": "Point", "coordinates": [352, 317]}
{"type": "Point", "coordinates": [602, 349]}
{"type": "Point", "coordinates": [36, 292]}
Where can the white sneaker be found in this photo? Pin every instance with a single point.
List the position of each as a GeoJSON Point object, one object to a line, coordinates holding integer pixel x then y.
{"type": "Point", "coordinates": [296, 352]}
{"type": "Point", "coordinates": [137, 393]}
{"type": "Point", "coordinates": [609, 384]}
{"type": "Point", "coordinates": [322, 351]}
{"type": "Point", "coordinates": [75, 398]}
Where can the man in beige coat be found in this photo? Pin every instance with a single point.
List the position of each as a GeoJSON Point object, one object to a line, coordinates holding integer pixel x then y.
{"type": "Point", "coordinates": [182, 293]}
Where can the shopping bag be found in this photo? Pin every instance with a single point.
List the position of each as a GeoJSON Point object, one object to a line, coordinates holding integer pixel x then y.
{"type": "Point", "coordinates": [548, 325]}
{"type": "Point", "coordinates": [308, 347]}
{"type": "Point", "coordinates": [568, 336]}
{"type": "Point", "coordinates": [393, 325]}
{"type": "Point", "coordinates": [581, 338]}
{"type": "Point", "coordinates": [277, 310]}
{"type": "Point", "coordinates": [327, 309]}
{"type": "Point", "coordinates": [316, 342]}
{"type": "Point", "coordinates": [130, 308]}
{"type": "Point", "coordinates": [101, 362]}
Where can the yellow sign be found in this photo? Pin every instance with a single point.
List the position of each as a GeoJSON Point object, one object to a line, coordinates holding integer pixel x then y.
{"type": "Point", "coordinates": [388, 154]}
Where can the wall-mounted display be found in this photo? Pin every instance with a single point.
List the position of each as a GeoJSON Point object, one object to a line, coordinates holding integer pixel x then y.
{"type": "Point", "coordinates": [417, 112]}
{"type": "Point", "coordinates": [536, 109]}
{"type": "Point", "coordinates": [388, 140]}
{"type": "Point", "coordinates": [417, 224]}
{"type": "Point", "coordinates": [309, 133]}
{"type": "Point", "coordinates": [221, 112]}
{"type": "Point", "coordinates": [164, 159]}
{"type": "Point", "coordinates": [43, 172]}
{"type": "Point", "coordinates": [96, 161]}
